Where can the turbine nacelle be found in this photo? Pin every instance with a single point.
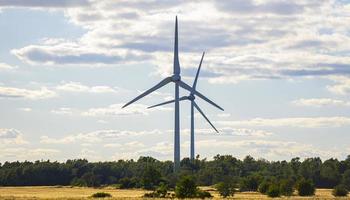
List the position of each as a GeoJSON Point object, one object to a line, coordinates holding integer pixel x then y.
{"type": "Point", "coordinates": [176, 78]}
{"type": "Point", "coordinates": [191, 97]}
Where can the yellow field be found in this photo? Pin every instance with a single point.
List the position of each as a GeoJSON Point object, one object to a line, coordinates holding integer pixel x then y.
{"type": "Point", "coordinates": [75, 193]}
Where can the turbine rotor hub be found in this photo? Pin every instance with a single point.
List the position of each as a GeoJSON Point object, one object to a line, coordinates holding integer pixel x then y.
{"type": "Point", "coordinates": [191, 97]}
{"type": "Point", "coordinates": [176, 78]}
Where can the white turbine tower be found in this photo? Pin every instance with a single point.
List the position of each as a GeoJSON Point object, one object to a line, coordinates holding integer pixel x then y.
{"type": "Point", "coordinates": [175, 78]}
{"type": "Point", "coordinates": [191, 98]}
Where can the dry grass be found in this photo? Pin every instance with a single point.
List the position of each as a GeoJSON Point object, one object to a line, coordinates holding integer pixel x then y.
{"type": "Point", "coordinates": [77, 193]}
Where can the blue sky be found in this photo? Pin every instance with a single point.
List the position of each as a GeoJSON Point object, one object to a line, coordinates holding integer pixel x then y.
{"type": "Point", "coordinates": [280, 69]}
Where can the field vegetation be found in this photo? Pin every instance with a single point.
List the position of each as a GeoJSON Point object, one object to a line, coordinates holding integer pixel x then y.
{"type": "Point", "coordinates": [223, 176]}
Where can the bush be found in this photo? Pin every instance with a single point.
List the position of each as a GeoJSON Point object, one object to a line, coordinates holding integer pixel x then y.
{"type": "Point", "coordinates": [101, 195]}
{"type": "Point", "coordinates": [273, 191]}
{"type": "Point", "coordinates": [306, 188]}
{"type": "Point", "coordinates": [286, 187]}
{"type": "Point", "coordinates": [340, 191]}
{"type": "Point", "coordinates": [126, 183]}
{"type": "Point", "coordinates": [264, 186]}
{"type": "Point", "coordinates": [346, 179]}
{"type": "Point", "coordinates": [203, 194]}
{"type": "Point", "coordinates": [78, 182]}
{"type": "Point", "coordinates": [225, 189]}
{"type": "Point", "coordinates": [250, 183]}
{"type": "Point", "coordinates": [150, 178]}
{"type": "Point", "coordinates": [186, 187]}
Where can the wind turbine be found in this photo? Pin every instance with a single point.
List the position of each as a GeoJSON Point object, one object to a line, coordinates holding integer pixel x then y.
{"type": "Point", "coordinates": [191, 98]}
{"type": "Point", "coordinates": [175, 78]}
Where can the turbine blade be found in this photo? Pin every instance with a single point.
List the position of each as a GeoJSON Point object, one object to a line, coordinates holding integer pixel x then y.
{"type": "Point", "coordinates": [187, 87]}
{"type": "Point", "coordinates": [176, 51]}
{"type": "Point", "coordinates": [197, 107]}
{"type": "Point", "coordinates": [199, 68]}
{"type": "Point", "coordinates": [184, 86]}
{"type": "Point", "coordinates": [167, 102]}
{"type": "Point", "coordinates": [159, 85]}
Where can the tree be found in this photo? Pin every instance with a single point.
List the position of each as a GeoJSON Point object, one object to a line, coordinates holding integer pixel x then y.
{"type": "Point", "coordinates": [273, 191]}
{"type": "Point", "coordinates": [340, 191]}
{"type": "Point", "coordinates": [346, 179]}
{"type": "Point", "coordinates": [286, 187]}
{"type": "Point", "coordinates": [330, 175]}
{"type": "Point", "coordinates": [150, 178]}
{"type": "Point", "coordinates": [186, 187]}
{"type": "Point", "coordinates": [126, 183]}
{"type": "Point", "coordinates": [225, 188]}
{"type": "Point", "coordinates": [306, 188]}
{"type": "Point", "coordinates": [160, 192]}
{"type": "Point", "coordinates": [250, 183]}
{"type": "Point", "coordinates": [264, 186]}
{"type": "Point", "coordinates": [91, 179]}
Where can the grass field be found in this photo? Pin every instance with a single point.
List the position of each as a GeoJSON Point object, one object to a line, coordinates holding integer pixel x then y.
{"type": "Point", "coordinates": [19, 193]}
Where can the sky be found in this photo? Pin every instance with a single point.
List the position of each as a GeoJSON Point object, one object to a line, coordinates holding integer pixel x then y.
{"type": "Point", "coordinates": [280, 69]}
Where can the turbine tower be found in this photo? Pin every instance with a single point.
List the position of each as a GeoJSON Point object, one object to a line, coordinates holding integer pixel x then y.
{"type": "Point", "coordinates": [191, 98]}
{"type": "Point", "coordinates": [175, 78]}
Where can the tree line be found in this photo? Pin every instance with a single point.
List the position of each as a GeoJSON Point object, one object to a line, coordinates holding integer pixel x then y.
{"type": "Point", "coordinates": [149, 173]}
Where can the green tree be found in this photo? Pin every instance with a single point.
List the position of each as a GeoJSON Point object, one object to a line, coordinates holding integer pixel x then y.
{"type": "Point", "coordinates": [186, 187]}
{"type": "Point", "coordinates": [264, 186]}
{"type": "Point", "coordinates": [340, 191]}
{"type": "Point", "coordinates": [250, 183]}
{"type": "Point", "coordinates": [150, 178]}
{"type": "Point", "coordinates": [273, 191]}
{"type": "Point", "coordinates": [286, 187]}
{"type": "Point", "coordinates": [346, 179]}
{"type": "Point", "coordinates": [306, 188]}
{"type": "Point", "coordinates": [225, 188]}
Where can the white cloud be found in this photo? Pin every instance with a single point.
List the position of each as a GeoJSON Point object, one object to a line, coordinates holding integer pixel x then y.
{"type": "Point", "coordinates": [25, 109]}
{"type": "Point", "coordinates": [341, 86]}
{"type": "Point", "coordinates": [12, 92]}
{"type": "Point", "coordinates": [62, 111]}
{"type": "Point", "coordinates": [301, 122]}
{"type": "Point", "coordinates": [78, 87]}
{"type": "Point", "coordinates": [117, 110]}
{"type": "Point", "coordinates": [66, 140]}
{"type": "Point", "coordinates": [269, 149]}
{"type": "Point", "coordinates": [11, 136]}
{"type": "Point", "coordinates": [96, 136]}
{"type": "Point", "coordinates": [4, 66]}
{"type": "Point", "coordinates": [320, 102]}
{"type": "Point", "coordinates": [112, 145]}
{"type": "Point", "coordinates": [102, 121]}
{"type": "Point", "coordinates": [75, 53]}
{"type": "Point", "coordinates": [254, 39]}
{"type": "Point", "coordinates": [224, 115]}
{"type": "Point", "coordinates": [228, 131]}
{"type": "Point", "coordinates": [21, 153]}
{"type": "Point", "coordinates": [43, 3]}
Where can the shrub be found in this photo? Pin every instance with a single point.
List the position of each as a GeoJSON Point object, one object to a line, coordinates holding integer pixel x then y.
{"type": "Point", "coordinates": [250, 183]}
{"type": "Point", "coordinates": [78, 182]}
{"type": "Point", "coordinates": [186, 187]}
{"type": "Point", "coordinates": [225, 189]}
{"type": "Point", "coordinates": [126, 183]}
{"type": "Point", "coordinates": [306, 188]}
{"type": "Point", "coordinates": [340, 191]}
{"type": "Point", "coordinates": [346, 179]}
{"type": "Point", "coordinates": [150, 178]}
{"type": "Point", "coordinates": [101, 195]}
{"type": "Point", "coordinates": [273, 191]}
{"type": "Point", "coordinates": [203, 194]}
{"type": "Point", "coordinates": [264, 186]}
{"type": "Point", "coordinates": [286, 187]}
